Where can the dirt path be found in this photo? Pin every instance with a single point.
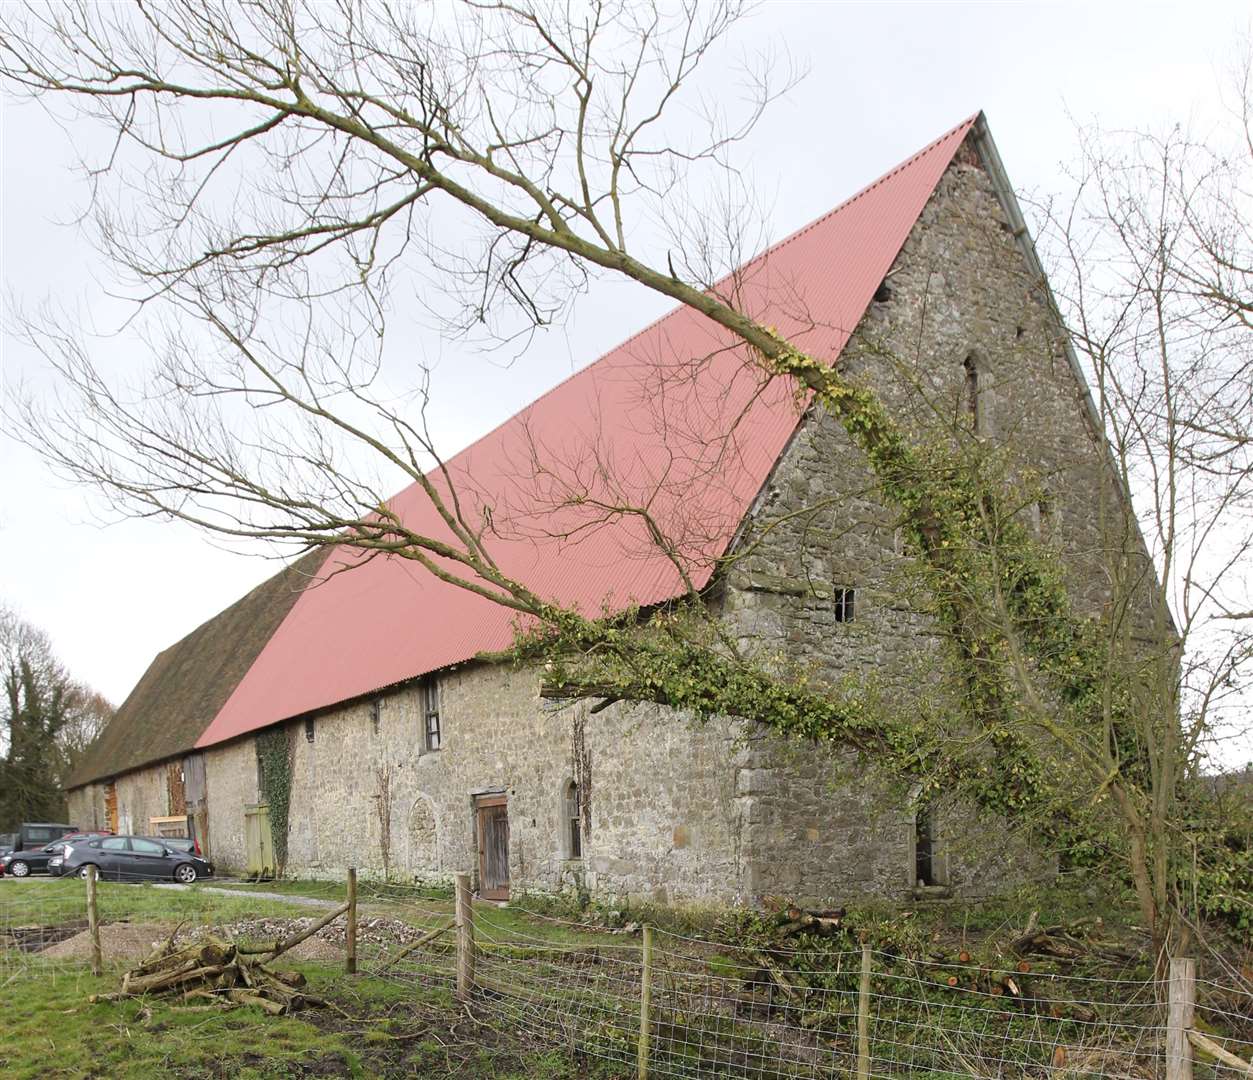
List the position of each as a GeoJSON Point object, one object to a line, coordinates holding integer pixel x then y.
{"type": "Point", "coordinates": [286, 898]}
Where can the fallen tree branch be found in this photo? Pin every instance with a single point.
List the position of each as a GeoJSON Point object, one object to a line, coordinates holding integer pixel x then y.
{"type": "Point", "coordinates": [292, 940]}
{"type": "Point", "coordinates": [423, 940]}
{"type": "Point", "coordinates": [1210, 1047]}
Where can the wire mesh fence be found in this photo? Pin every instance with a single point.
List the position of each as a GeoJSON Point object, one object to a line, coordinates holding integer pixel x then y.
{"type": "Point", "coordinates": [715, 1009]}
{"type": "Point", "coordinates": [677, 1006]}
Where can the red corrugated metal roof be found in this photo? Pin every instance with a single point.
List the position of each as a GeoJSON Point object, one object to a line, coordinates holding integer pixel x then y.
{"type": "Point", "coordinates": [641, 425]}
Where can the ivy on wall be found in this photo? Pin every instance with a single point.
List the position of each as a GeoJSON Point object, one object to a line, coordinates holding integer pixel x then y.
{"type": "Point", "coordinates": [274, 757]}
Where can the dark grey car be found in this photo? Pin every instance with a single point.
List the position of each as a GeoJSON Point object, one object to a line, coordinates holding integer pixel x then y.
{"type": "Point", "coordinates": [134, 858]}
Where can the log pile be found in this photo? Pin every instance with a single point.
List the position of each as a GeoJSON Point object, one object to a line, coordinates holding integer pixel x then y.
{"type": "Point", "coordinates": [771, 983]}
{"type": "Point", "coordinates": [1078, 941]}
{"type": "Point", "coordinates": [222, 972]}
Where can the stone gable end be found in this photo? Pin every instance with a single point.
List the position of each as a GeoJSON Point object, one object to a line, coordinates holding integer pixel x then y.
{"type": "Point", "coordinates": [716, 814]}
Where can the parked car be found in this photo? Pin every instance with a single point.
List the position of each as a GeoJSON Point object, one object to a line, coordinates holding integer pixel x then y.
{"type": "Point", "coordinates": [8, 842]}
{"type": "Point", "coordinates": [20, 864]}
{"type": "Point", "coordinates": [182, 843]}
{"type": "Point", "coordinates": [38, 860]}
{"type": "Point", "coordinates": [133, 858]}
{"type": "Point", "coordinates": [42, 861]}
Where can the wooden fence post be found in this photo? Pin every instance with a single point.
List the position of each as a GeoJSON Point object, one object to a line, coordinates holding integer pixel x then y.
{"type": "Point", "coordinates": [465, 938]}
{"type": "Point", "coordinates": [350, 937]}
{"type": "Point", "coordinates": [863, 1016]}
{"type": "Point", "coordinates": [1181, 1009]}
{"type": "Point", "coordinates": [93, 922]}
{"type": "Point", "coordinates": [646, 997]}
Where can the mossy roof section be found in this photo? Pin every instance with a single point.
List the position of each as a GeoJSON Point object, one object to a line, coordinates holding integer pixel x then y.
{"type": "Point", "coordinates": [185, 686]}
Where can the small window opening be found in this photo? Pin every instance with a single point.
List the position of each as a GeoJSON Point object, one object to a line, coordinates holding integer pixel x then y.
{"type": "Point", "coordinates": [1019, 331]}
{"type": "Point", "coordinates": [430, 713]}
{"type": "Point", "coordinates": [309, 730]}
{"type": "Point", "coordinates": [845, 601]}
{"type": "Point", "coordinates": [970, 393]}
{"type": "Point", "coordinates": [883, 293]}
{"type": "Point", "coordinates": [376, 714]}
{"type": "Point", "coordinates": [924, 848]}
{"type": "Point", "coordinates": [1042, 515]}
{"type": "Point", "coordinates": [572, 820]}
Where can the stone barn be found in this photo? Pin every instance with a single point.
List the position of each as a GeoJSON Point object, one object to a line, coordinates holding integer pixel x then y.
{"type": "Point", "coordinates": [412, 755]}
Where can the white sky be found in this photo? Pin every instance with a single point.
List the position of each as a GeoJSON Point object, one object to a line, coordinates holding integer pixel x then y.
{"type": "Point", "coordinates": [885, 79]}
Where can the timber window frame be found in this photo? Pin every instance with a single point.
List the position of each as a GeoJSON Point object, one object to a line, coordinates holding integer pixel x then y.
{"type": "Point", "coordinates": [432, 731]}
{"type": "Point", "coordinates": [844, 603]}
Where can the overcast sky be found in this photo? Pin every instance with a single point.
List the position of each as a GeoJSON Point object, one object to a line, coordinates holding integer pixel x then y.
{"type": "Point", "coordinates": [884, 79]}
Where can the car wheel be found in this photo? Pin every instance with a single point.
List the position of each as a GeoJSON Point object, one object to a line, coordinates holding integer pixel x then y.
{"type": "Point", "coordinates": [85, 869]}
{"type": "Point", "coordinates": [186, 873]}
{"type": "Point", "coordinates": [19, 869]}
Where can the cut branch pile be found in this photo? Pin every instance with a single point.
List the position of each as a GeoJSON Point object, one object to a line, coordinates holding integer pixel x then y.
{"type": "Point", "coordinates": [223, 972]}
{"type": "Point", "coordinates": [1075, 942]}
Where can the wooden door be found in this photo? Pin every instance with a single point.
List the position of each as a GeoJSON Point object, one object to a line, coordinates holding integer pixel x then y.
{"type": "Point", "coordinates": [258, 844]}
{"type": "Point", "coordinates": [493, 822]}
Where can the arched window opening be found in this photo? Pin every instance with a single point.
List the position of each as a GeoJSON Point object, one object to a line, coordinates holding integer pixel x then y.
{"type": "Point", "coordinates": [571, 817]}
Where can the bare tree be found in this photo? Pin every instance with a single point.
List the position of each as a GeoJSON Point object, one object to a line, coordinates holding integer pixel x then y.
{"type": "Point", "coordinates": [47, 721]}
{"type": "Point", "coordinates": [279, 169]}
{"type": "Point", "coordinates": [1152, 256]}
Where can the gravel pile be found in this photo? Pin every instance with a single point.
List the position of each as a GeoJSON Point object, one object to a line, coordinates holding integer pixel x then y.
{"type": "Point", "coordinates": [374, 935]}
{"type": "Point", "coordinates": [134, 941]}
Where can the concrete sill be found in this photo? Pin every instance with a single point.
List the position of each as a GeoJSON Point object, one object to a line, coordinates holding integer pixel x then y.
{"type": "Point", "coordinates": [932, 892]}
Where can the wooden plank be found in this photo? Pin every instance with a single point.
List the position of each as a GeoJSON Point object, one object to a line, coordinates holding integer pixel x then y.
{"type": "Point", "coordinates": [93, 922]}
{"type": "Point", "coordinates": [465, 937]}
{"type": "Point", "coordinates": [1182, 1007]}
{"type": "Point", "coordinates": [350, 938]}
{"type": "Point", "coordinates": [863, 1017]}
{"type": "Point", "coordinates": [645, 1003]}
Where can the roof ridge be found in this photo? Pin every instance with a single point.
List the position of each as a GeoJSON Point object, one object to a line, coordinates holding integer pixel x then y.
{"type": "Point", "coordinates": [679, 307]}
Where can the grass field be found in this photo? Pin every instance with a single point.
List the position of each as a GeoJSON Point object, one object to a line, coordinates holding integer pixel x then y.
{"type": "Point", "coordinates": [51, 1032]}
{"type": "Point", "coordinates": [551, 989]}
{"type": "Point", "coordinates": [374, 1028]}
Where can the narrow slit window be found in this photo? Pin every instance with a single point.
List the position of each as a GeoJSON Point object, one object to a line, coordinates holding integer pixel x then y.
{"type": "Point", "coordinates": [1044, 515]}
{"type": "Point", "coordinates": [572, 819]}
{"type": "Point", "coordinates": [924, 848]}
{"type": "Point", "coordinates": [430, 712]}
{"type": "Point", "coordinates": [309, 730]}
{"type": "Point", "coordinates": [845, 603]}
{"type": "Point", "coordinates": [970, 394]}
{"type": "Point", "coordinates": [376, 714]}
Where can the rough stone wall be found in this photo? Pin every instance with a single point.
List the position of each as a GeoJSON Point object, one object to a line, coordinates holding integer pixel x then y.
{"type": "Point", "coordinates": [86, 806]}
{"type": "Point", "coordinates": [679, 813]}
{"type": "Point", "coordinates": [141, 795]}
{"type": "Point", "coordinates": [230, 784]}
{"type": "Point", "coordinates": [960, 290]}
{"type": "Point", "coordinates": [664, 813]}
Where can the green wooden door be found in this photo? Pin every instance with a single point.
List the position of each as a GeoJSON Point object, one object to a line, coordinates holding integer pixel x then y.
{"type": "Point", "coordinates": [258, 842]}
